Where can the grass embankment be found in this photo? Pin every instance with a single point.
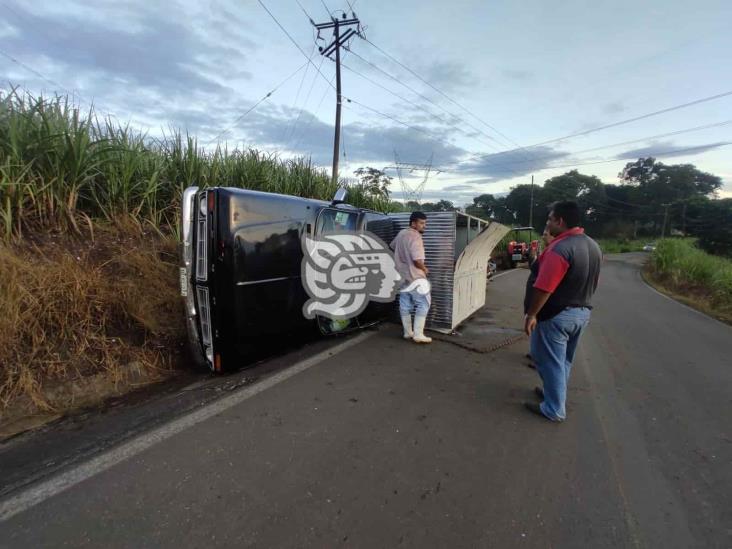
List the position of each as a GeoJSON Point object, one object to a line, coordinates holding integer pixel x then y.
{"type": "Point", "coordinates": [693, 276]}
{"type": "Point", "coordinates": [84, 319]}
{"type": "Point", "coordinates": [88, 232]}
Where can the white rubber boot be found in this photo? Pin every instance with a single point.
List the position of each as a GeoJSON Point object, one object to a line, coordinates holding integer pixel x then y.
{"type": "Point", "coordinates": [407, 325]}
{"type": "Point", "coordinates": [419, 336]}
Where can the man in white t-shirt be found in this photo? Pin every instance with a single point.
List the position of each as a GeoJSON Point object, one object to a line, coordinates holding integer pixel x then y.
{"type": "Point", "coordinates": [409, 259]}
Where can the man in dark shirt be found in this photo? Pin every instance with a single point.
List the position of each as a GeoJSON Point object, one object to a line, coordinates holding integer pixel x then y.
{"type": "Point", "coordinates": [569, 270]}
{"type": "Point", "coordinates": [546, 238]}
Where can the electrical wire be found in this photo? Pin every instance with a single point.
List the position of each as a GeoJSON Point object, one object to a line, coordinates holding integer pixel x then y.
{"type": "Point", "coordinates": [637, 118]}
{"type": "Point", "coordinates": [250, 109]}
{"type": "Point", "coordinates": [654, 154]}
{"type": "Point", "coordinates": [424, 97]}
{"type": "Point", "coordinates": [405, 100]}
{"type": "Point", "coordinates": [292, 40]}
{"type": "Point", "coordinates": [605, 161]}
{"type": "Point", "coordinates": [305, 12]}
{"type": "Point", "coordinates": [297, 95]}
{"type": "Point", "coordinates": [310, 122]}
{"type": "Point", "coordinates": [460, 106]}
{"type": "Point", "coordinates": [409, 126]}
{"type": "Point", "coordinates": [74, 94]}
{"type": "Point", "coordinates": [576, 134]}
{"type": "Point", "coordinates": [592, 149]}
{"type": "Point", "coordinates": [302, 109]}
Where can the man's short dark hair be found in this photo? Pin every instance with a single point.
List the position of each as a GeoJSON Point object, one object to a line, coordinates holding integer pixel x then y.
{"type": "Point", "coordinates": [415, 216]}
{"type": "Point", "coordinates": [569, 211]}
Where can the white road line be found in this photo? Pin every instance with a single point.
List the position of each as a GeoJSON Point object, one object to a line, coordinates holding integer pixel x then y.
{"type": "Point", "coordinates": [55, 485]}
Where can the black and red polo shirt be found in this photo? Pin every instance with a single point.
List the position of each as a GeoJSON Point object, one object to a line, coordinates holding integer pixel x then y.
{"type": "Point", "coordinates": [569, 269]}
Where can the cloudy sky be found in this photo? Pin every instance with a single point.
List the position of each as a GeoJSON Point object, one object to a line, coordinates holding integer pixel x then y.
{"type": "Point", "coordinates": [488, 92]}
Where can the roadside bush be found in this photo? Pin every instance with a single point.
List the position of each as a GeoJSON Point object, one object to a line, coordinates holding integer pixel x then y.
{"type": "Point", "coordinates": [683, 267]}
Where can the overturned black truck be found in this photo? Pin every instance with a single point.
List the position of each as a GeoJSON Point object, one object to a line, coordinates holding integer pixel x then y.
{"type": "Point", "coordinates": [241, 265]}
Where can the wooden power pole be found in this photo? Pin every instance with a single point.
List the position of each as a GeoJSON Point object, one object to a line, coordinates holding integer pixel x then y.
{"type": "Point", "coordinates": [531, 204]}
{"type": "Point", "coordinates": [339, 39]}
{"type": "Point", "coordinates": [665, 219]}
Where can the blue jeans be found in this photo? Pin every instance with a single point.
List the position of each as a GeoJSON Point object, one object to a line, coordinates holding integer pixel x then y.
{"type": "Point", "coordinates": [553, 343]}
{"type": "Point", "coordinates": [413, 300]}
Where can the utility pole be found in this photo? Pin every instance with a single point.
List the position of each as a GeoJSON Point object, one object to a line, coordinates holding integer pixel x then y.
{"type": "Point", "coordinates": [531, 205]}
{"type": "Point", "coordinates": [683, 217]}
{"type": "Point", "coordinates": [335, 47]}
{"type": "Point", "coordinates": [665, 219]}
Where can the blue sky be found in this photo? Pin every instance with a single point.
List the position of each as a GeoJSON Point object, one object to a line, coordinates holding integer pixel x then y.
{"type": "Point", "coordinates": [523, 74]}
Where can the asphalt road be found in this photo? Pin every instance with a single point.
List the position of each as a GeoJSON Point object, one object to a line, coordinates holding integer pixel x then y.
{"type": "Point", "coordinates": [387, 443]}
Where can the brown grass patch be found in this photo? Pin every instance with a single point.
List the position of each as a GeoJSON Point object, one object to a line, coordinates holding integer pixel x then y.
{"type": "Point", "coordinates": [76, 308]}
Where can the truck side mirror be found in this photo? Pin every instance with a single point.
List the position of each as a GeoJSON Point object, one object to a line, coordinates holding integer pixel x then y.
{"type": "Point", "coordinates": [340, 196]}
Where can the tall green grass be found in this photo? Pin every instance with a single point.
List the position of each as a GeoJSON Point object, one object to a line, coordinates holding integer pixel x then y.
{"type": "Point", "coordinates": [60, 166]}
{"type": "Point", "coordinates": [685, 268]}
{"type": "Point", "coordinates": [621, 245]}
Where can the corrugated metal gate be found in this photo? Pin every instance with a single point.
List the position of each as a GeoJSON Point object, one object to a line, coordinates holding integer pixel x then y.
{"type": "Point", "coordinates": [458, 290]}
{"type": "Point", "coordinates": [439, 248]}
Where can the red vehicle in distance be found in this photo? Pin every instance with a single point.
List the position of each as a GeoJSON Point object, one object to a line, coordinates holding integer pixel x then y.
{"type": "Point", "coordinates": [521, 248]}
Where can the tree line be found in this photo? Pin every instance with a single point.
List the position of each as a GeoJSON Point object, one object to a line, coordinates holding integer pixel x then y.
{"type": "Point", "coordinates": [651, 200]}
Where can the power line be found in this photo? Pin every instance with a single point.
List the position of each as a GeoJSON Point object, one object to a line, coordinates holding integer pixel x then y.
{"type": "Point", "coordinates": [317, 108]}
{"type": "Point", "coordinates": [636, 118]}
{"type": "Point", "coordinates": [570, 153]}
{"type": "Point", "coordinates": [577, 134]}
{"type": "Point", "coordinates": [404, 99]}
{"type": "Point", "coordinates": [462, 107]}
{"type": "Point", "coordinates": [620, 123]}
{"type": "Point", "coordinates": [414, 128]}
{"type": "Point", "coordinates": [292, 40]}
{"type": "Point", "coordinates": [250, 109]}
{"type": "Point", "coordinates": [289, 36]}
{"type": "Point", "coordinates": [657, 136]}
{"type": "Point", "coordinates": [307, 98]}
{"type": "Point", "coordinates": [343, 144]}
{"type": "Point", "coordinates": [606, 161]}
{"type": "Point", "coordinates": [297, 95]}
{"type": "Point", "coordinates": [38, 74]}
{"type": "Point", "coordinates": [305, 12]}
{"type": "Point", "coordinates": [655, 154]}
{"type": "Point", "coordinates": [422, 96]}
{"type": "Point", "coordinates": [74, 94]}
{"type": "Point", "coordinates": [393, 119]}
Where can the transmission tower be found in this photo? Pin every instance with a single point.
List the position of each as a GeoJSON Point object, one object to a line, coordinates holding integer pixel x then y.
{"type": "Point", "coordinates": [412, 192]}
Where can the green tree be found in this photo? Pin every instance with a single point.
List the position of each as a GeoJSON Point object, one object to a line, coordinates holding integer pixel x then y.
{"type": "Point", "coordinates": [587, 190]}
{"type": "Point", "coordinates": [711, 222]}
{"type": "Point", "coordinates": [488, 206]}
{"type": "Point", "coordinates": [659, 183]}
{"type": "Point", "coordinates": [519, 204]}
{"type": "Point", "coordinates": [444, 206]}
{"type": "Point", "coordinates": [376, 182]}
